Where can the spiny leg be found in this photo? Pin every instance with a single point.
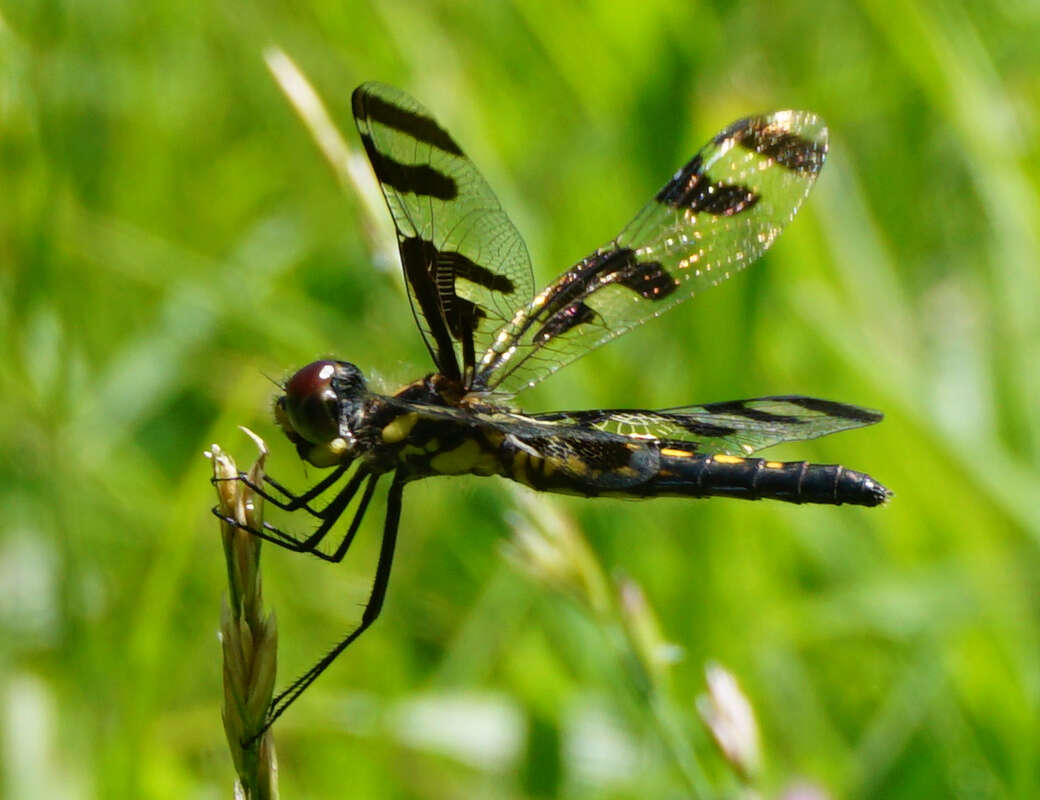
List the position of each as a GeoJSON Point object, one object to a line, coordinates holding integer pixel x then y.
{"type": "Point", "coordinates": [330, 515]}
{"type": "Point", "coordinates": [293, 501]}
{"type": "Point", "coordinates": [310, 544]}
{"type": "Point", "coordinates": [301, 501]}
{"type": "Point", "coordinates": [355, 523]}
{"type": "Point", "coordinates": [372, 609]}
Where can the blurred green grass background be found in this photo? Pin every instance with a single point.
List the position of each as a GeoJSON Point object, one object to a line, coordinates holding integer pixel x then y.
{"type": "Point", "coordinates": [170, 236]}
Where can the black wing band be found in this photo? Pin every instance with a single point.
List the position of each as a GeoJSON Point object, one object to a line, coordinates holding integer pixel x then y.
{"type": "Point", "coordinates": [715, 216]}
{"type": "Point", "coordinates": [465, 265]}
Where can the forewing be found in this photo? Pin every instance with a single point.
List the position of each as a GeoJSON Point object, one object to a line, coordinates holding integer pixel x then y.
{"type": "Point", "coordinates": [714, 217]}
{"type": "Point", "coordinates": [736, 427]}
{"type": "Point", "coordinates": [465, 264]}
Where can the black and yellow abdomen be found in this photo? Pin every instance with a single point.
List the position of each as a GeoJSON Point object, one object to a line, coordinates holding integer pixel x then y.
{"type": "Point", "coordinates": [570, 460]}
{"type": "Point", "coordinates": [688, 475]}
{"type": "Point", "coordinates": [621, 467]}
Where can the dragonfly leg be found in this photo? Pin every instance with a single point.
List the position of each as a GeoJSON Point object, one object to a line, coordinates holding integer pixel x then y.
{"type": "Point", "coordinates": [355, 523]}
{"type": "Point", "coordinates": [329, 516]}
{"type": "Point", "coordinates": [371, 613]}
{"type": "Point", "coordinates": [310, 544]}
{"type": "Point", "coordinates": [291, 501]}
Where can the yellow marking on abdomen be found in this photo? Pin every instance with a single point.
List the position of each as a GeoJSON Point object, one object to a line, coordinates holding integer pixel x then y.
{"type": "Point", "coordinates": [519, 466]}
{"type": "Point", "coordinates": [722, 458]}
{"type": "Point", "coordinates": [462, 459]}
{"type": "Point", "coordinates": [773, 464]}
{"type": "Point", "coordinates": [671, 451]}
{"type": "Point", "coordinates": [576, 466]}
{"type": "Point", "coordinates": [399, 428]}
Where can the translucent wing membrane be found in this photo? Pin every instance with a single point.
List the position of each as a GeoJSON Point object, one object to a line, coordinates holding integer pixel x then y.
{"type": "Point", "coordinates": [714, 217]}
{"type": "Point", "coordinates": [736, 427]}
{"type": "Point", "coordinates": [465, 265]}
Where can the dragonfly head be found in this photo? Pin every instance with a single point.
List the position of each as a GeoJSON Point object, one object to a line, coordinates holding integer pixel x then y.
{"type": "Point", "coordinates": [315, 411]}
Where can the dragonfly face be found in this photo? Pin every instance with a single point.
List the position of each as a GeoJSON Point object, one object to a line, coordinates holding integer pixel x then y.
{"type": "Point", "coordinates": [320, 403]}
{"type": "Point", "coordinates": [491, 336]}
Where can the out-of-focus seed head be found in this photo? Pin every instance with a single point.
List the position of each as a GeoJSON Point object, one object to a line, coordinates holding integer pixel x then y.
{"type": "Point", "coordinates": [731, 720]}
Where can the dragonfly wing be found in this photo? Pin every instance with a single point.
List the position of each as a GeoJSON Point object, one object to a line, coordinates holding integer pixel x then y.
{"type": "Point", "coordinates": [715, 216]}
{"type": "Point", "coordinates": [465, 264]}
{"type": "Point", "coordinates": [736, 427]}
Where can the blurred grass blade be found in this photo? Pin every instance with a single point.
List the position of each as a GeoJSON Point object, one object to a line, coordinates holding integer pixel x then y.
{"type": "Point", "coordinates": [350, 166]}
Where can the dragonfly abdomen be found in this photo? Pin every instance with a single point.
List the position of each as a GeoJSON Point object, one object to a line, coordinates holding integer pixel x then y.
{"type": "Point", "coordinates": [690, 475]}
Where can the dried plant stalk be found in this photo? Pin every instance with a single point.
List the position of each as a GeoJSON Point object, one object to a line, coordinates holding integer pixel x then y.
{"type": "Point", "coordinates": [249, 641]}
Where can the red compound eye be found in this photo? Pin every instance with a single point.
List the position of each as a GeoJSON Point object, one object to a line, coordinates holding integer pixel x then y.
{"type": "Point", "coordinates": [311, 404]}
{"type": "Point", "coordinates": [315, 378]}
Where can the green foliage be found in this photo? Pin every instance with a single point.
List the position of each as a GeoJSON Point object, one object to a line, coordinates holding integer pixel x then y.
{"type": "Point", "coordinates": [170, 236]}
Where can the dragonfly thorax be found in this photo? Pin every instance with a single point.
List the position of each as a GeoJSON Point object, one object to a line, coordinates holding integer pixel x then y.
{"type": "Point", "coordinates": [316, 410]}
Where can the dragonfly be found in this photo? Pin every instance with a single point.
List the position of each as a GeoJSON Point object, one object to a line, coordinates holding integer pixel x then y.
{"type": "Point", "coordinates": [491, 336]}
